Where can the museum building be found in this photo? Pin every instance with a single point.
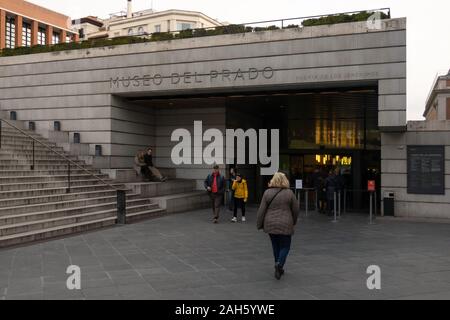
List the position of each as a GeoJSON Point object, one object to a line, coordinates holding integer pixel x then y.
{"type": "Point", "coordinates": [336, 93]}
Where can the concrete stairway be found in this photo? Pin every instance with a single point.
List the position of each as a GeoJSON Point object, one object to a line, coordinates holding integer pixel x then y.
{"type": "Point", "coordinates": [35, 205]}
{"type": "Point", "coordinates": [173, 196]}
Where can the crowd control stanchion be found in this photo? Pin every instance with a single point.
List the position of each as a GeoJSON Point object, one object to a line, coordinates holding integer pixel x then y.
{"type": "Point", "coordinates": [339, 204]}
{"type": "Point", "coordinates": [370, 206]}
{"type": "Point", "coordinates": [317, 200]}
{"type": "Point", "coordinates": [334, 207]}
{"type": "Point", "coordinates": [376, 204]}
{"type": "Point", "coordinates": [306, 202]}
{"type": "Point", "coordinates": [345, 201]}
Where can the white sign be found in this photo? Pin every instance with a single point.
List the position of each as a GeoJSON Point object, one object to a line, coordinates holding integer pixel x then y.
{"type": "Point", "coordinates": [298, 184]}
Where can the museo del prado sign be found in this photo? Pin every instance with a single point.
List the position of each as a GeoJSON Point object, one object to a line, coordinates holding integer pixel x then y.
{"type": "Point", "coordinates": [224, 75]}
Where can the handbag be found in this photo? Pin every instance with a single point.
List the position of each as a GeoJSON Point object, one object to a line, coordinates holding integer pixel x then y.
{"type": "Point", "coordinates": [268, 206]}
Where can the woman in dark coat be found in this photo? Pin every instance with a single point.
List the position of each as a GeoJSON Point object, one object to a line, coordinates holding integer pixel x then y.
{"type": "Point", "coordinates": [277, 215]}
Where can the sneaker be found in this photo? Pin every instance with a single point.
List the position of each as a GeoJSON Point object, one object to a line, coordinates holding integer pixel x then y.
{"type": "Point", "coordinates": [277, 272]}
{"type": "Point", "coordinates": [243, 219]}
{"type": "Point", "coordinates": [234, 219]}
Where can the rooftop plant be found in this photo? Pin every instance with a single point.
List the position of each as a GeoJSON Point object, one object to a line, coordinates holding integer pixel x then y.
{"type": "Point", "coordinates": [162, 36]}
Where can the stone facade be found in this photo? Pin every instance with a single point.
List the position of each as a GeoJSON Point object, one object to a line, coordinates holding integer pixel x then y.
{"type": "Point", "coordinates": [88, 90]}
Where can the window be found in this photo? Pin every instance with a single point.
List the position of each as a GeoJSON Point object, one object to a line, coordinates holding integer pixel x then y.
{"type": "Point", "coordinates": [130, 31]}
{"type": "Point", "coordinates": [76, 138]}
{"type": "Point", "coordinates": [141, 30]}
{"type": "Point", "coordinates": [448, 109]}
{"type": "Point", "coordinates": [57, 126]}
{"type": "Point", "coordinates": [42, 38]}
{"type": "Point", "coordinates": [55, 38]}
{"type": "Point", "coordinates": [10, 33]}
{"type": "Point", "coordinates": [26, 35]}
{"type": "Point", "coordinates": [183, 26]}
{"type": "Point", "coordinates": [31, 126]}
{"type": "Point", "coordinates": [68, 39]}
{"type": "Point", "coordinates": [158, 28]}
{"type": "Point", "coordinates": [13, 115]}
{"type": "Point", "coordinates": [98, 150]}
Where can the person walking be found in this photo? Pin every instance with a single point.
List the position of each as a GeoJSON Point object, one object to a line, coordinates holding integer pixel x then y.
{"type": "Point", "coordinates": [277, 215]}
{"type": "Point", "coordinates": [230, 192]}
{"type": "Point", "coordinates": [215, 185]}
{"type": "Point", "coordinates": [240, 190]}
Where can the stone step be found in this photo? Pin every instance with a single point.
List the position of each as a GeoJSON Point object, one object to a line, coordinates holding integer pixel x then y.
{"type": "Point", "coordinates": [183, 201]}
{"type": "Point", "coordinates": [157, 189]}
{"type": "Point", "coordinates": [133, 206]}
{"type": "Point", "coordinates": [48, 184]}
{"type": "Point", "coordinates": [52, 191]}
{"type": "Point", "coordinates": [40, 162]}
{"type": "Point", "coordinates": [27, 143]}
{"type": "Point", "coordinates": [18, 147]}
{"type": "Point", "coordinates": [37, 172]}
{"type": "Point", "coordinates": [29, 152]}
{"type": "Point", "coordinates": [11, 202]}
{"type": "Point", "coordinates": [38, 157]}
{"type": "Point", "coordinates": [10, 229]}
{"type": "Point", "coordinates": [65, 230]}
{"type": "Point", "coordinates": [66, 204]}
{"type": "Point", "coordinates": [18, 123]}
{"type": "Point", "coordinates": [48, 178]}
{"type": "Point", "coordinates": [143, 215]}
{"type": "Point", "coordinates": [19, 137]}
{"type": "Point", "coordinates": [41, 167]}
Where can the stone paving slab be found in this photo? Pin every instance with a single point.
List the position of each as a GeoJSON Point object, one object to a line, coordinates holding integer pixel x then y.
{"type": "Point", "coordinates": [185, 256]}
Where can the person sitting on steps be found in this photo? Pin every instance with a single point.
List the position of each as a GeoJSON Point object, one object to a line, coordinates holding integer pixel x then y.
{"type": "Point", "coordinates": [148, 159]}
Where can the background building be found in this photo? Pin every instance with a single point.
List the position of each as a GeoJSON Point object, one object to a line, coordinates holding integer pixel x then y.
{"type": "Point", "coordinates": [23, 24]}
{"type": "Point", "coordinates": [438, 103]}
{"type": "Point", "coordinates": [141, 23]}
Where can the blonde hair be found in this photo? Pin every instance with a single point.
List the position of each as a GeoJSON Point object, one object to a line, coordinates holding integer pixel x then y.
{"type": "Point", "coordinates": [279, 180]}
{"type": "Point", "coordinates": [140, 155]}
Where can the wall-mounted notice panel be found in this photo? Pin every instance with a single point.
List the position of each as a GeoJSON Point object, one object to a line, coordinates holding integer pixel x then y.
{"type": "Point", "coordinates": [426, 169]}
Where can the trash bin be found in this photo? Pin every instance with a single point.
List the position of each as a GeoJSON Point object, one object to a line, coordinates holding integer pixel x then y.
{"type": "Point", "coordinates": [388, 203]}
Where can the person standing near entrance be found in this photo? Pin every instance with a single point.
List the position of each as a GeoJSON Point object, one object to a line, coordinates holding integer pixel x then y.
{"type": "Point", "coordinates": [215, 185]}
{"type": "Point", "coordinates": [230, 192]}
{"type": "Point", "coordinates": [240, 190]}
{"type": "Point", "coordinates": [277, 215]}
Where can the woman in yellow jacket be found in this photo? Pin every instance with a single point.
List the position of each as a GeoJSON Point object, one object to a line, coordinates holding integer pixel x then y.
{"type": "Point", "coordinates": [240, 196]}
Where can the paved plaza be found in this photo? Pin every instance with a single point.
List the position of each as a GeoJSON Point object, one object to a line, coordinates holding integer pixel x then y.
{"type": "Point", "coordinates": [185, 256]}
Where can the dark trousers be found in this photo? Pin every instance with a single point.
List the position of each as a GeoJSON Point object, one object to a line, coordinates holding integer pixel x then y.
{"type": "Point", "coordinates": [146, 173]}
{"type": "Point", "coordinates": [239, 203]}
{"type": "Point", "coordinates": [216, 202]}
{"type": "Point", "coordinates": [230, 199]}
{"type": "Point", "coordinates": [281, 244]}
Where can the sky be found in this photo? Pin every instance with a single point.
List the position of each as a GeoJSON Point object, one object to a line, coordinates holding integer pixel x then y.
{"type": "Point", "coordinates": [428, 36]}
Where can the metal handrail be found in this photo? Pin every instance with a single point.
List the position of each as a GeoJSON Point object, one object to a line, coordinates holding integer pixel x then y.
{"type": "Point", "coordinates": [316, 16]}
{"type": "Point", "coordinates": [57, 153]}
{"type": "Point", "coordinates": [278, 20]}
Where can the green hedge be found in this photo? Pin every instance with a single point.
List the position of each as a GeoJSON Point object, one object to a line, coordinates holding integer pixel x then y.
{"type": "Point", "coordinates": [162, 36]}
{"type": "Point", "coordinates": [342, 18]}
